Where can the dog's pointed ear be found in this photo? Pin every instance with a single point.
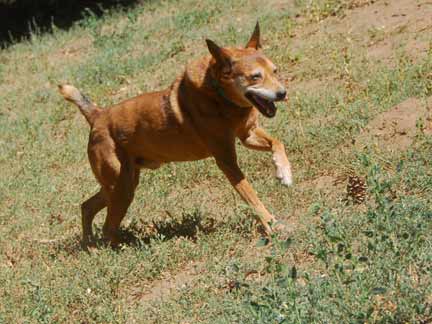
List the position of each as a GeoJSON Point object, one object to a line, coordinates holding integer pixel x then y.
{"type": "Point", "coordinates": [254, 41]}
{"type": "Point", "coordinates": [219, 54]}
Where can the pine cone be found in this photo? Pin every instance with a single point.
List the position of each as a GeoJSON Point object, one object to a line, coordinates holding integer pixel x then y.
{"type": "Point", "coordinates": [356, 189]}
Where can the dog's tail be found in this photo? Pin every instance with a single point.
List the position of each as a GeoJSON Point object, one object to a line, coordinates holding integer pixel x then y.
{"type": "Point", "coordinates": [87, 108]}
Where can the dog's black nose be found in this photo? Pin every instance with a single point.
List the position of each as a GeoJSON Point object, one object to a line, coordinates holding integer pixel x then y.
{"type": "Point", "coordinates": [280, 95]}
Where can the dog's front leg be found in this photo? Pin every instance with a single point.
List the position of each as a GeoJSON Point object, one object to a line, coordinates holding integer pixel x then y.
{"type": "Point", "coordinates": [258, 139]}
{"type": "Point", "coordinates": [232, 171]}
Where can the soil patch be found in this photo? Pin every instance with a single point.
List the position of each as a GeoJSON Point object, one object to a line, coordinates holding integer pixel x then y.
{"type": "Point", "coordinates": [396, 129]}
{"type": "Point", "coordinates": [169, 285]}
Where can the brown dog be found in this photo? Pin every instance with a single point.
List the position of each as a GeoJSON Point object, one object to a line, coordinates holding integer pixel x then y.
{"type": "Point", "coordinates": [214, 101]}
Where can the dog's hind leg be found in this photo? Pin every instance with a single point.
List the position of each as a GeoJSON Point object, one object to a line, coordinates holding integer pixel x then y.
{"type": "Point", "coordinates": [119, 198]}
{"type": "Point", "coordinates": [89, 209]}
{"type": "Point", "coordinates": [118, 177]}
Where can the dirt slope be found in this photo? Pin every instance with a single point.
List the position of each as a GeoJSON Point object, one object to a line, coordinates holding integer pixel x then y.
{"type": "Point", "coordinates": [395, 129]}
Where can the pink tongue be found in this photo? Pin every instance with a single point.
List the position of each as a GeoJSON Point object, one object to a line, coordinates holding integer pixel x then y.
{"type": "Point", "coordinates": [267, 105]}
{"type": "Point", "coordinates": [261, 101]}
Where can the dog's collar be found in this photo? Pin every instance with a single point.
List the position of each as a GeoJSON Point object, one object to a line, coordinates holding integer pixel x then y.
{"type": "Point", "coordinates": [219, 90]}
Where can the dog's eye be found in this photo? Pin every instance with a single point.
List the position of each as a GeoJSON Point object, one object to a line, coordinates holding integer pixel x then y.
{"type": "Point", "coordinates": [256, 76]}
{"type": "Point", "coordinates": [275, 70]}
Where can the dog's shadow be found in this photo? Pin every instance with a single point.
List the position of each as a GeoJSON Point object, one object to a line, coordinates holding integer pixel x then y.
{"type": "Point", "coordinates": [140, 234]}
{"type": "Point", "coordinates": [188, 226]}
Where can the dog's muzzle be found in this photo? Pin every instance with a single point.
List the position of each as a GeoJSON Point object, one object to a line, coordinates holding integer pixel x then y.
{"type": "Point", "coordinates": [264, 100]}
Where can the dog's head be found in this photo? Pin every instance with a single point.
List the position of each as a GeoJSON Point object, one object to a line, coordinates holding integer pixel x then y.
{"type": "Point", "coordinates": [247, 77]}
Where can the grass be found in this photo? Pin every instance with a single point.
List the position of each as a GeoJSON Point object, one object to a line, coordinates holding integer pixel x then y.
{"type": "Point", "coordinates": [368, 263]}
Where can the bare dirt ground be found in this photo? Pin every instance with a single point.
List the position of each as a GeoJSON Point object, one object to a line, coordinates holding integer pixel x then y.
{"type": "Point", "coordinates": [385, 26]}
{"type": "Point", "coordinates": [168, 285]}
{"type": "Point", "coordinates": [396, 129]}
{"type": "Point", "coordinates": [386, 30]}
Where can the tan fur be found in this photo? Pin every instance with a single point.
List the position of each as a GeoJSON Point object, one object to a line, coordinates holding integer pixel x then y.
{"type": "Point", "coordinates": [191, 120]}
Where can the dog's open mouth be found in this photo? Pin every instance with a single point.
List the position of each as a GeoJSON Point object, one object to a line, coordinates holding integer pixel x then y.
{"type": "Point", "coordinates": [266, 107]}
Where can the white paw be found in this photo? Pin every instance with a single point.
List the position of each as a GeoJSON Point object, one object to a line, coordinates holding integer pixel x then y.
{"type": "Point", "coordinates": [283, 168]}
{"type": "Point", "coordinates": [284, 175]}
